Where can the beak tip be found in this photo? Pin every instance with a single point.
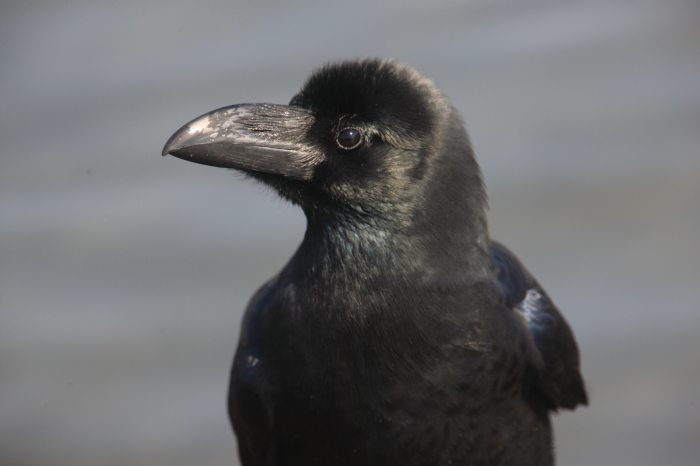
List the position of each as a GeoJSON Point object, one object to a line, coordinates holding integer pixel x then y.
{"type": "Point", "coordinates": [172, 145]}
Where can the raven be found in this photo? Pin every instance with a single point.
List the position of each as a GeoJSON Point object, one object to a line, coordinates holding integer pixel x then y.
{"type": "Point", "coordinates": [398, 333]}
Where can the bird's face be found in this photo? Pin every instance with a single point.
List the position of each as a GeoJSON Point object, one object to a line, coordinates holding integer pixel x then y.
{"type": "Point", "coordinates": [353, 138]}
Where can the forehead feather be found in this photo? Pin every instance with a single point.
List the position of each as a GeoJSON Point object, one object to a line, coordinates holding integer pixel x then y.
{"type": "Point", "coordinates": [375, 91]}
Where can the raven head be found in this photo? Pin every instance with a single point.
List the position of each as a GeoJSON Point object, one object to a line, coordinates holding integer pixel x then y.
{"type": "Point", "coordinates": [368, 136]}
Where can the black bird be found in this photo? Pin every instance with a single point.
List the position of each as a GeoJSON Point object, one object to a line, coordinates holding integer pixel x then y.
{"type": "Point", "coordinates": [398, 333]}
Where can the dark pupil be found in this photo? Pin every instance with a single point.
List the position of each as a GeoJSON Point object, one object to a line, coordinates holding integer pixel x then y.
{"type": "Point", "coordinates": [349, 138]}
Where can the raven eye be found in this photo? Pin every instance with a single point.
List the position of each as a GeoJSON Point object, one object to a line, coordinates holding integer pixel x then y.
{"type": "Point", "coordinates": [349, 138]}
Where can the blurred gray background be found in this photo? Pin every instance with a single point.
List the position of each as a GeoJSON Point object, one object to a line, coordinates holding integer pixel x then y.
{"type": "Point", "coordinates": [123, 275]}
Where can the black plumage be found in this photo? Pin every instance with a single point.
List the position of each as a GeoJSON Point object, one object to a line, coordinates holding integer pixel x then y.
{"type": "Point", "coordinates": [399, 333]}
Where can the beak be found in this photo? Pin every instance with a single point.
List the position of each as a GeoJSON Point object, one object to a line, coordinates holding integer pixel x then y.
{"type": "Point", "coordinates": [263, 138]}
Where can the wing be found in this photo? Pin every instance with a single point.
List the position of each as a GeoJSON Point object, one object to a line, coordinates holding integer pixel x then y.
{"type": "Point", "coordinates": [245, 406]}
{"type": "Point", "coordinates": [561, 379]}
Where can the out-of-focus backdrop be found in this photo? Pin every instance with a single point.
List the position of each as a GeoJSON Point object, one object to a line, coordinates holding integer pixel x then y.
{"type": "Point", "coordinates": [123, 275]}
